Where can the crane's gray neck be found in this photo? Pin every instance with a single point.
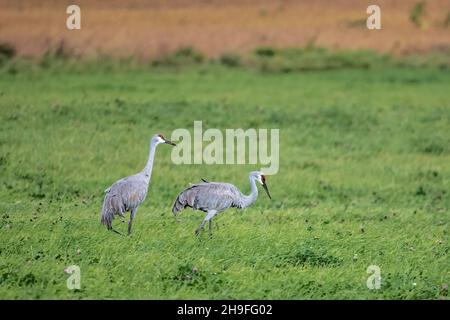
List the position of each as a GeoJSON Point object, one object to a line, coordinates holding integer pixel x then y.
{"type": "Point", "coordinates": [149, 167]}
{"type": "Point", "coordinates": [251, 198]}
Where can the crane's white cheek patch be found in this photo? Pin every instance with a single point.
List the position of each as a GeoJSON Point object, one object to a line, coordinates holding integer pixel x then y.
{"type": "Point", "coordinates": [235, 146]}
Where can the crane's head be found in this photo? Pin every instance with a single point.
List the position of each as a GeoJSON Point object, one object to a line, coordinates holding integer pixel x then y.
{"type": "Point", "coordinates": [261, 178]}
{"type": "Point", "coordinates": [159, 138]}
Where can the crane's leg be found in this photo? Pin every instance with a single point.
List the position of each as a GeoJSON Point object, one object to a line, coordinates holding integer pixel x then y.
{"type": "Point", "coordinates": [210, 228]}
{"type": "Point", "coordinates": [132, 215]}
{"type": "Point", "coordinates": [209, 216]}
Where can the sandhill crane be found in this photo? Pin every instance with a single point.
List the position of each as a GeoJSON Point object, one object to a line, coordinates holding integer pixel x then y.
{"type": "Point", "coordinates": [215, 197]}
{"type": "Point", "coordinates": [128, 193]}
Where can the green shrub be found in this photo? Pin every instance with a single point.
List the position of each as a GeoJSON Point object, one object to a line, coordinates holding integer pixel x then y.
{"type": "Point", "coordinates": [7, 52]}
{"type": "Point", "coordinates": [265, 52]}
{"type": "Point", "coordinates": [181, 57]}
{"type": "Point", "coordinates": [230, 59]}
{"type": "Point", "coordinates": [417, 13]}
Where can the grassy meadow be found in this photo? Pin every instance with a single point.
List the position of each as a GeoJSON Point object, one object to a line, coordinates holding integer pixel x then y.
{"type": "Point", "coordinates": [364, 180]}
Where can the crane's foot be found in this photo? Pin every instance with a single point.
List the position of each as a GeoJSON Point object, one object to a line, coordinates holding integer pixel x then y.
{"type": "Point", "coordinates": [115, 231]}
{"type": "Point", "coordinates": [198, 231]}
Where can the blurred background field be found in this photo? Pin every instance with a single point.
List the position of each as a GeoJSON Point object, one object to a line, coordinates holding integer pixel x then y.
{"type": "Point", "coordinates": [364, 119]}
{"type": "Point", "coordinates": [150, 29]}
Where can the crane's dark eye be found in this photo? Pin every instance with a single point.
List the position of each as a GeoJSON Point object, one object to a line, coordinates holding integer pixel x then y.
{"type": "Point", "coordinates": [161, 136]}
{"type": "Point", "coordinates": [263, 178]}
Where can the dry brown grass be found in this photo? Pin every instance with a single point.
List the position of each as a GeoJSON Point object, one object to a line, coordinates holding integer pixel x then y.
{"type": "Point", "coordinates": [153, 28]}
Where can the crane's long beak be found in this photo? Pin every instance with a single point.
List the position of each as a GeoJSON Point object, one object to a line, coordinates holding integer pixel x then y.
{"type": "Point", "coordinates": [169, 142]}
{"type": "Point", "coordinates": [267, 190]}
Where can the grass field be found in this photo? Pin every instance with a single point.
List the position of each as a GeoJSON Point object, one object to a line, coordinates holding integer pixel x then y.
{"type": "Point", "coordinates": [364, 180]}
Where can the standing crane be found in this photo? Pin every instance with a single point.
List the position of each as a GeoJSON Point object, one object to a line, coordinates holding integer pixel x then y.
{"type": "Point", "coordinates": [128, 193]}
{"type": "Point", "coordinates": [215, 197]}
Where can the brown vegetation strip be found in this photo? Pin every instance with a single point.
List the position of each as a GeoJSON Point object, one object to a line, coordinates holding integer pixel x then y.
{"type": "Point", "coordinates": [153, 28]}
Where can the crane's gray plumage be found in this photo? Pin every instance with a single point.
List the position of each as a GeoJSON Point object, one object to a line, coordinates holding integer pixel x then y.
{"type": "Point", "coordinates": [128, 193]}
{"type": "Point", "coordinates": [124, 195]}
{"type": "Point", "coordinates": [206, 195]}
{"type": "Point", "coordinates": [215, 197]}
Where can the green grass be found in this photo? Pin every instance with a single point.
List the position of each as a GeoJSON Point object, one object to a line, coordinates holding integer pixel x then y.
{"type": "Point", "coordinates": [364, 180]}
